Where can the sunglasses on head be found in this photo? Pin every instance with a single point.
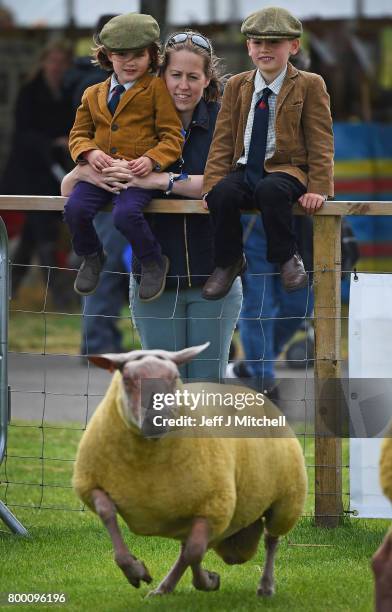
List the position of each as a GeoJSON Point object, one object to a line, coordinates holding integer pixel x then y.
{"type": "Point", "coordinates": [197, 40]}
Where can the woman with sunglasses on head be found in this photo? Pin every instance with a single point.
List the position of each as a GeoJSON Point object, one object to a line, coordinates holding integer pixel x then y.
{"type": "Point", "coordinates": [181, 317]}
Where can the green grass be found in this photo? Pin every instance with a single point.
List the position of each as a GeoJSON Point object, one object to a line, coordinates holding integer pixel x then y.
{"type": "Point", "coordinates": [39, 328]}
{"type": "Point", "coordinates": [70, 552]}
{"type": "Point", "coordinates": [316, 569]}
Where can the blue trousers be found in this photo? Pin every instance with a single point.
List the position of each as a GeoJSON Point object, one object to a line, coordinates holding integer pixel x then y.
{"type": "Point", "coordinates": [84, 203]}
{"type": "Point", "coordinates": [179, 319]}
{"type": "Point", "coordinates": [270, 316]}
{"type": "Point", "coordinates": [101, 310]}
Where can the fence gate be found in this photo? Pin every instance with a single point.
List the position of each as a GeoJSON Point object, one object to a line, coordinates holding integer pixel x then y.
{"type": "Point", "coordinates": [9, 519]}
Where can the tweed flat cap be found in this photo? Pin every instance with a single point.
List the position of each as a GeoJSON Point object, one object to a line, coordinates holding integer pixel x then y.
{"type": "Point", "coordinates": [130, 31]}
{"type": "Point", "coordinates": [272, 22]}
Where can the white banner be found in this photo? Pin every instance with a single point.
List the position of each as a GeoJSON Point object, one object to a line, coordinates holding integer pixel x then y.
{"type": "Point", "coordinates": [370, 357]}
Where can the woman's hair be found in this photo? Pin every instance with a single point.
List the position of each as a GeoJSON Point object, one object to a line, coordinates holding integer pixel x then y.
{"type": "Point", "coordinates": [100, 53]}
{"type": "Point", "coordinates": [211, 63]}
{"type": "Point", "coordinates": [58, 44]}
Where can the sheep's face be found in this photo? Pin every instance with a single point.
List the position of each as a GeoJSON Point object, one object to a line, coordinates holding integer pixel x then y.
{"type": "Point", "coordinates": [145, 373]}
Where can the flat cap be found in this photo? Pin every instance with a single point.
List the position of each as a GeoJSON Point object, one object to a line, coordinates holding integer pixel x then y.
{"type": "Point", "coordinates": [130, 31]}
{"type": "Point", "coordinates": [272, 22]}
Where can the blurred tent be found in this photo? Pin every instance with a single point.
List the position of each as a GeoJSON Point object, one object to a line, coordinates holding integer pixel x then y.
{"type": "Point", "coordinates": [363, 171]}
{"type": "Point", "coordinates": [62, 13]}
{"type": "Point", "coordinates": [84, 13]}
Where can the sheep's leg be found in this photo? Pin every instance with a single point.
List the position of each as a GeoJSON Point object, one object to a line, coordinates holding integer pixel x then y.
{"type": "Point", "coordinates": [266, 586]}
{"type": "Point", "coordinates": [134, 570]}
{"type": "Point", "coordinates": [169, 582]}
{"type": "Point", "coordinates": [191, 555]}
{"type": "Point", "coordinates": [382, 569]}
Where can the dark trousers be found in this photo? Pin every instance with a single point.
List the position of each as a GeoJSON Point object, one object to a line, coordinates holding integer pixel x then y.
{"type": "Point", "coordinates": [84, 203]}
{"type": "Point", "coordinates": [274, 196]}
{"type": "Point", "coordinates": [40, 235]}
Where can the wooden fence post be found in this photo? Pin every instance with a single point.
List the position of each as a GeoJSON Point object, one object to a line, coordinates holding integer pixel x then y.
{"type": "Point", "coordinates": [327, 324]}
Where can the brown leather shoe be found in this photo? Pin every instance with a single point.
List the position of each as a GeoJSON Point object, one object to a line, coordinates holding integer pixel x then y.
{"type": "Point", "coordinates": [219, 283]}
{"type": "Point", "coordinates": [292, 274]}
{"type": "Point", "coordinates": [153, 279]}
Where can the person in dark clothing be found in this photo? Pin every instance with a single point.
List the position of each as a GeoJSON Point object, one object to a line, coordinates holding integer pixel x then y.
{"type": "Point", "coordinates": [39, 157]}
{"type": "Point", "coordinates": [84, 71]}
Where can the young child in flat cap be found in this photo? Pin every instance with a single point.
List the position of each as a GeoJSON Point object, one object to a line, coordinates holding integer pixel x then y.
{"type": "Point", "coordinates": [272, 146]}
{"type": "Point", "coordinates": [130, 115]}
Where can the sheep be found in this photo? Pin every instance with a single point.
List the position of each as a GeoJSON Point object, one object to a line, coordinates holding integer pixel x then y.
{"type": "Point", "coordinates": [205, 491]}
{"type": "Point", "coordinates": [382, 559]}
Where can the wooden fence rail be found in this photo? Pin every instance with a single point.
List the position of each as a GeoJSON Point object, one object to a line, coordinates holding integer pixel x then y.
{"type": "Point", "coordinates": [194, 206]}
{"type": "Point", "coordinates": [327, 323]}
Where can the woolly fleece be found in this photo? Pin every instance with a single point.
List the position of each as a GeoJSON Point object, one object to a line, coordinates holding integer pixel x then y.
{"type": "Point", "coordinates": [159, 486]}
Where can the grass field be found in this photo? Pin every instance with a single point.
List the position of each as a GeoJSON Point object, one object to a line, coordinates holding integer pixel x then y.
{"type": "Point", "coordinates": [70, 552]}
{"type": "Point", "coordinates": [37, 325]}
{"type": "Point", "coordinates": [316, 569]}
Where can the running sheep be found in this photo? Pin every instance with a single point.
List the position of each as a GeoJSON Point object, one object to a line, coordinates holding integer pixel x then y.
{"type": "Point", "coordinates": [205, 491]}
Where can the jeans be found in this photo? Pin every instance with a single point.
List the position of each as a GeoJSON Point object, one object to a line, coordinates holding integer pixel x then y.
{"type": "Point", "coordinates": [179, 319]}
{"type": "Point", "coordinates": [270, 316]}
{"type": "Point", "coordinates": [100, 310]}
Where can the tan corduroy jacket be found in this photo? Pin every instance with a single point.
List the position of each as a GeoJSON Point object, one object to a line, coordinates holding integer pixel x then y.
{"type": "Point", "coordinates": [145, 123]}
{"type": "Point", "coordinates": [303, 127]}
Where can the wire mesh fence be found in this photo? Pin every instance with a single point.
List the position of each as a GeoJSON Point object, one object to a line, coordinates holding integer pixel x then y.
{"type": "Point", "coordinates": [54, 392]}
{"type": "Point", "coordinates": [326, 458]}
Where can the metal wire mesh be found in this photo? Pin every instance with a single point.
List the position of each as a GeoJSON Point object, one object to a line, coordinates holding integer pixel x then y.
{"type": "Point", "coordinates": [54, 391]}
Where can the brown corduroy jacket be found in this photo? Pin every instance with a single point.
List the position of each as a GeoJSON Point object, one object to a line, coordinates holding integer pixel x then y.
{"type": "Point", "coordinates": [303, 127]}
{"type": "Point", "coordinates": [145, 123]}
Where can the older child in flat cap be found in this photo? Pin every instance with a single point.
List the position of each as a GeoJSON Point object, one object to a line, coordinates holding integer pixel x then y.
{"type": "Point", "coordinates": [273, 145]}
{"type": "Point", "coordinates": [130, 115]}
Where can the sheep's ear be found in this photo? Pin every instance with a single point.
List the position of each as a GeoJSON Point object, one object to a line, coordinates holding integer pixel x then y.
{"type": "Point", "coordinates": [110, 361]}
{"type": "Point", "coordinates": [187, 354]}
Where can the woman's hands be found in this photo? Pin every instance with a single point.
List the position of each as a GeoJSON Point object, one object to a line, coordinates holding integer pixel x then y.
{"type": "Point", "coordinates": [120, 176]}
{"type": "Point", "coordinates": [113, 179]}
{"type": "Point", "coordinates": [85, 172]}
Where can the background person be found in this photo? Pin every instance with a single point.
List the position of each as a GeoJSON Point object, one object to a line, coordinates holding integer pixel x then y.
{"type": "Point", "coordinates": [39, 159]}
{"type": "Point", "coordinates": [270, 316]}
{"type": "Point", "coordinates": [181, 317]}
{"type": "Point", "coordinates": [85, 72]}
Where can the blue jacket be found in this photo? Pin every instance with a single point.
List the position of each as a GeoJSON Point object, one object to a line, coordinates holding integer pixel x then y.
{"type": "Point", "coordinates": [187, 239]}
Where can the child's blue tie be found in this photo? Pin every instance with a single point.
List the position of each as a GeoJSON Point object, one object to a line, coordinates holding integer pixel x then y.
{"type": "Point", "coordinates": [254, 170]}
{"type": "Point", "coordinates": [115, 99]}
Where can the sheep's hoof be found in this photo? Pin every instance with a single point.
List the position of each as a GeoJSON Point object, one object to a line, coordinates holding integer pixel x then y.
{"type": "Point", "coordinates": [266, 590]}
{"type": "Point", "coordinates": [207, 581]}
{"type": "Point", "coordinates": [134, 570]}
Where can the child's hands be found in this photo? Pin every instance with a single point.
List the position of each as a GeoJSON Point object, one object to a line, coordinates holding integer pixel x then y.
{"type": "Point", "coordinates": [98, 159]}
{"type": "Point", "coordinates": [141, 166]}
{"type": "Point", "coordinates": [311, 202]}
{"type": "Point", "coordinates": [204, 200]}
